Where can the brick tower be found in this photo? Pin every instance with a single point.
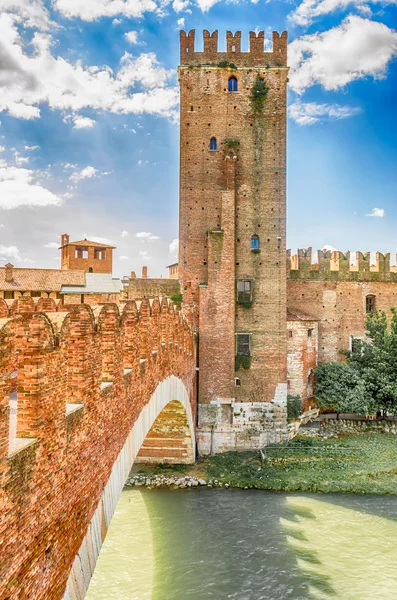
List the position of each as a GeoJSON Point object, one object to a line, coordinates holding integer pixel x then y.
{"type": "Point", "coordinates": [232, 234]}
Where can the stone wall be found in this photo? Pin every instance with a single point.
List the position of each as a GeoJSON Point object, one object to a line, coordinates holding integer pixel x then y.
{"type": "Point", "coordinates": [139, 288]}
{"type": "Point", "coordinates": [353, 426]}
{"type": "Point", "coordinates": [78, 383]}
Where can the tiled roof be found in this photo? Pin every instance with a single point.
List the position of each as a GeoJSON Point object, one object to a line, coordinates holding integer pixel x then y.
{"type": "Point", "coordinates": [87, 243]}
{"type": "Point", "coordinates": [297, 315]}
{"type": "Point", "coordinates": [95, 283]}
{"type": "Point", "coordinates": [40, 280]}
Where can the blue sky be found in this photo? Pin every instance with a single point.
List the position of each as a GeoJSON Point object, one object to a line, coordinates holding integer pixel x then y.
{"type": "Point", "coordinates": [89, 122]}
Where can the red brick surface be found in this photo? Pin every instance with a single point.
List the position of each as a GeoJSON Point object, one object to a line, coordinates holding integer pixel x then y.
{"type": "Point", "coordinates": [49, 490]}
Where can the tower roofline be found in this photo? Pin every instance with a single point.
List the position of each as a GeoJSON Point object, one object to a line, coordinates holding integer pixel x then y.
{"type": "Point", "coordinates": [254, 57]}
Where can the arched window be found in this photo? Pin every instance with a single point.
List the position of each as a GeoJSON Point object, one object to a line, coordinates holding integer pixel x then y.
{"type": "Point", "coordinates": [213, 143]}
{"type": "Point", "coordinates": [90, 270]}
{"type": "Point", "coordinates": [255, 242]}
{"type": "Point", "coordinates": [369, 303]}
{"type": "Point", "coordinates": [232, 87]}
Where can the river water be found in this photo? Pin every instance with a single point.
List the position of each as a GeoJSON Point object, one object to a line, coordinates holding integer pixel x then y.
{"type": "Point", "coordinates": [248, 545]}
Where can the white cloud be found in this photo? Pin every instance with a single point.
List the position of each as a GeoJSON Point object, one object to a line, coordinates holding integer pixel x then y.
{"type": "Point", "coordinates": [31, 147]}
{"type": "Point", "coordinates": [2, 148]}
{"type": "Point", "coordinates": [51, 245]}
{"type": "Point", "coordinates": [179, 5]}
{"type": "Point", "coordinates": [37, 76]}
{"type": "Point", "coordinates": [355, 49]}
{"type": "Point", "coordinates": [123, 257]}
{"type": "Point", "coordinates": [376, 212]}
{"type": "Point", "coordinates": [86, 173]}
{"type": "Point", "coordinates": [329, 248]}
{"type": "Point", "coordinates": [146, 235]}
{"type": "Point", "coordinates": [309, 9]}
{"type": "Point", "coordinates": [18, 188]}
{"type": "Point", "coordinates": [174, 247]}
{"type": "Point", "coordinates": [9, 253]}
{"type": "Point", "coordinates": [20, 160]}
{"type": "Point", "coordinates": [83, 122]}
{"type": "Point", "coordinates": [144, 255]}
{"type": "Point", "coordinates": [131, 37]}
{"type": "Point", "coordinates": [90, 10]}
{"type": "Point", "coordinates": [308, 113]}
{"type": "Point", "coordinates": [180, 22]}
{"type": "Point", "coordinates": [31, 13]}
{"type": "Point", "coordinates": [124, 234]}
{"type": "Point", "coordinates": [2, 225]}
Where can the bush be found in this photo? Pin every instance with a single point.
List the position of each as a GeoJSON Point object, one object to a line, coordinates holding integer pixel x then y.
{"type": "Point", "coordinates": [294, 407]}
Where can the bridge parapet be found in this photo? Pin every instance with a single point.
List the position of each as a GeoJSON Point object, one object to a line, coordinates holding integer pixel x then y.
{"type": "Point", "coordinates": [72, 386]}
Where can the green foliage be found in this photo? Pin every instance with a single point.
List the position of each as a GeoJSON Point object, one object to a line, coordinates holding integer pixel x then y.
{"type": "Point", "coordinates": [340, 387]}
{"type": "Point", "coordinates": [294, 407]}
{"type": "Point", "coordinates": [242, 361]}
{"type": "Point", "coordinates": [375, 361]}
{"type": "Point", "coordinates": [225, 64]}
{"type": "Point", "coordinates": [177, 300]}
{"type": "Point", "coordinates": [258, 95]}
{"type": "Point", "coordinates": [231, 143]}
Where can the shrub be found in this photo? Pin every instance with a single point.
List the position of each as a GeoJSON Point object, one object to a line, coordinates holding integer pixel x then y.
{"type": "Point", "coordinates": [294, 407]}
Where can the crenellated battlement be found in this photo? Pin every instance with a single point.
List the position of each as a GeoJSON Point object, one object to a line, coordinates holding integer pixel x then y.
{"type": "Point", "coordinates": [338, 266]}
{"type": "Point", "coordinates": [256, 56]}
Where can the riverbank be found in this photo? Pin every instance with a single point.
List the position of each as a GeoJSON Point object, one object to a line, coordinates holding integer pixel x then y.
{"type": "Point", "coordinates": [357, 463]}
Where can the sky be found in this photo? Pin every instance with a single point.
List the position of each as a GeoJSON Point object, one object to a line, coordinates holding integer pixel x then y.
{"type": "Point", "coordinates": [89, 135]}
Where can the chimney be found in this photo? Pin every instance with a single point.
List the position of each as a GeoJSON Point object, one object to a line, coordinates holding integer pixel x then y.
{"type": "Point", "coordinates": [9, 274]}
{"type": "Point", "coordinates": [133, 275]}
{"type": "Point", "coordinates": [64, 239]}
{"type": "Point", "coordinates": [144, 272]}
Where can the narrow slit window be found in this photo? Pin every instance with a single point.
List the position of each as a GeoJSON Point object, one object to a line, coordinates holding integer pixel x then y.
{"type": "Point", "coordinates": [213, 143]}
{"type": "Point", "coordinates": [232, 84]}
{"type": "Point", "coordinates": [255, 242]}
{"type": "Point", "coordinates": [243, 344]}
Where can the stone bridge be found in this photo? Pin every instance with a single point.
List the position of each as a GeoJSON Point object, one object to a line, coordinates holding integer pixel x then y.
{"type": "Point", "coordinates": [83, 395]}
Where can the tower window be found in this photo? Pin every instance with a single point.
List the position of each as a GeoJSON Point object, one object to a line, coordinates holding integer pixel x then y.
{"type": "Point", "coordinates": [243, 344]}
{"type": "Point", "coordinates": [100, 253]}
{"type": "Point", "coordinates": [309, 333]}
{"type": "Point", "coordinates": [255, 243]}
{"type": "Point", "coordinates": [232, 84]}
{"type": "Point", "coordinates": [213, 143]}
{"type": "Point", "coordinates": [290, 334]}
{"type": "Point", "coordinates": [244, 291]}
{"type": "Point", "coordinates": [369, 303]}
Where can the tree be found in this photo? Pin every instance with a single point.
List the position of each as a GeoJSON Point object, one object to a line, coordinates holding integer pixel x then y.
{"type": "Point", "coordinates": [374, 360]}
{"type": "Point", "coordinates": [339, 385]}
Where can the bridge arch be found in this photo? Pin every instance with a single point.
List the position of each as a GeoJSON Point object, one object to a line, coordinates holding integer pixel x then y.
{"type": "Point", "coordinates": [164, 431]}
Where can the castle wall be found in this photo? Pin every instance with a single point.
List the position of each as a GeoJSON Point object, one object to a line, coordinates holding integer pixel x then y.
{"type": "Point", "coordinates": [302, 350]}
{"type": "Point", "coordinates": [81, 381]}
{"type": "Point", "coordinates": [254, 138]}
{"type": "Point", "coordinates": [149, 287]}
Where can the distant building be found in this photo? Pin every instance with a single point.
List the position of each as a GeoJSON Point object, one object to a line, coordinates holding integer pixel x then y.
{"type": "Point", "coordinates": [149, 287]}
{"type": "Point", "coordinates": [84, 255]}
{"type": "Point", "coordinates": [173, 271]}
{"type": "Point", "coordinates": [16, 282]}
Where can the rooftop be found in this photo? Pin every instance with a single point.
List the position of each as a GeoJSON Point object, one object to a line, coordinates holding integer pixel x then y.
{"type": "Point", "coordinates": [95, 283]}
{"type": "Point", "coordinates": [87, 243]}
{"type": "Point", "coordinates": [40, 280]}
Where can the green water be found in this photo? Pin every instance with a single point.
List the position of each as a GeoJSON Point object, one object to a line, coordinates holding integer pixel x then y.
{"type": "Point", "coordinates": [248, 545]}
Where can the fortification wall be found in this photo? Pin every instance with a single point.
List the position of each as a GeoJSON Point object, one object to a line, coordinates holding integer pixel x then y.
{"type": "Point", "coordinates": [148, 288]}
{"type": "Point", "coordinates": [335, 292]}
{"type": "Point", "coordinates": [78, 382]}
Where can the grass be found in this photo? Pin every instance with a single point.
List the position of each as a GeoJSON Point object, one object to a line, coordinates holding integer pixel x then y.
{"type": "Point", "coordinates": [361, 463]}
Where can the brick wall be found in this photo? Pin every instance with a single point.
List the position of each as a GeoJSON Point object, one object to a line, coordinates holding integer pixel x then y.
{"type": "Point", "coordinates": [69, 260]}
{"type": "Point", "coordinates": [51, 485]}
{"type": "Point", "coordinates": [301, 356]}
{"type": "Point", "coordinates": [139, 288]}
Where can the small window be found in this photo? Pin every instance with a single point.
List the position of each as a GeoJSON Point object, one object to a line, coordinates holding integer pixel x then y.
{"type": "Point", "coordinates": [233, 48]}
{"type": "Point", "coordinates": [244, 291]}
{"type": "Point", "coordinates": [8, 295]}
{"type": "Point", "coordinates": [290, 333]}
{"type": "Point", "coordinates": [90, 270]}
{"type": "Point", "coordinates": [370, 303]}
{"type": "Point", "coordinates": [100, 253]}
{"type": "Point", "coordinates": [255, 242]}
{"type": "Point", "coordinates": [243, 344]}
{"type": "Point", "coordinates": [213, 143]}
{"type": "Point", "coordinates": [232, 84]}
{"type": "Point", "coordinates": [35, 294]}
{"type": "Point", "coordinates": [309, 333]}
{"type": "Point", "coordinates": [81, 252]}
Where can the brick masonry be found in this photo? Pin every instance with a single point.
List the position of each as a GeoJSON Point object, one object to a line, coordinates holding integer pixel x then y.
{"type": "Point", "coordinates": [83, 378]}
{"type": "Point", "coordinates": [227, 195]}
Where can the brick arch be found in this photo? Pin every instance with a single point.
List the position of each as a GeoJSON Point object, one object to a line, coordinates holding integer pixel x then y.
{"type": "Point", "coordinates": [3, 309]}
{"type": "Point", "coordinates": [170, 397]}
